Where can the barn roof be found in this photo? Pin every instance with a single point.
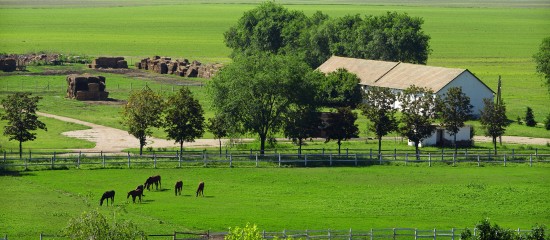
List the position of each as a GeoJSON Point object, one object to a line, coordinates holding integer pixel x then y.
{"type": "Point", "coordinates": [395, 75]}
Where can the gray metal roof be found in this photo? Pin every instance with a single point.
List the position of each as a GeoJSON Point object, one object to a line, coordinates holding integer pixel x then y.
{"type": "Point", "coordinates": [395, 75]}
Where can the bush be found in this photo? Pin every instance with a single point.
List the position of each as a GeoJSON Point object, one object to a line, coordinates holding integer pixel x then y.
{"type": "Point", "coordinates": [487, 232]}
{"type": "Point", "coordinates": [93, 225]}
{"type": "Point", "coordinates": [547, 122]}
{"type": "Point", "coordinates": [530, 118]}
{"type": "Point", "coordinates": [249, 232]}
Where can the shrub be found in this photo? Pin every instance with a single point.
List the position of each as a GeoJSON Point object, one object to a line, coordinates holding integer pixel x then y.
{"type": "Point", "coordinates": [487, 232]}
{"type": "Point", "coordinates": [530, 118]}
{"type": "Point", "coordinates": [249, 232]}
{"type": "Point", "coordinates": [93, 225]}
{"type": "Point", "coordinates": [547, 122]}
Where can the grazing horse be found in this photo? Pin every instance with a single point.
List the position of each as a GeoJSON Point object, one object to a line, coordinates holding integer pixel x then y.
{"type": "Point", "coordinates": [153, 180]}
{"type": "Point", "coordinates": [135, 193]}
{"type": "Point", "coordinates": [141, 187]}
{"type": "Point", "coordinates": [107, 195]}
{"type": "Point", "coordinates": [179, 187]}
{"type": "Point", "coordinates": [200, 189]}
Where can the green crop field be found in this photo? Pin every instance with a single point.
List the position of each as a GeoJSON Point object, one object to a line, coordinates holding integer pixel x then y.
{"type": "Point", "coordinates": [282, 198]}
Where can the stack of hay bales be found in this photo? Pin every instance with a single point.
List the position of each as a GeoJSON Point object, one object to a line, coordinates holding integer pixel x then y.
{"type": "Point", "coordinates": [86, 87]}
{"type": "Point", "coordinates": [183, 68]}
{"type": "Point", "coordinates": [8, 64]}
{"type": "Point", "coordinates": [109, 62]}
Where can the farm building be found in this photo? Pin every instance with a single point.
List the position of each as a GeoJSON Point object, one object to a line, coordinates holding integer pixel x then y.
{"type": "Point", "coordinates": [440, 137]}
{"type": "Point", "coordinates": [399, 76]}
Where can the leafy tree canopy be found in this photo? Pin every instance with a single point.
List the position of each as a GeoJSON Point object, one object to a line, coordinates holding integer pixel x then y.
{"type": "Point", "coordinates": [257, 92]}
{"type": "Point", "coordinates": [542, 58]}
{"type": "Point", "coordinates": [272, 28]}
{"type": "Point", "coordinates": [454, 109]}
{"type": "Point", "coordinates": [21, 115]}
{"type": "Point", "coordinates": [341, 89]}
{"type": "Point", "coordinates": [378, 107]}
{"type": "Point", "coordinates": [341, 126]}
{"type": "Point", "coordinates": [184, 119]}
{"type": "Point", "coordinates": [493, 119]}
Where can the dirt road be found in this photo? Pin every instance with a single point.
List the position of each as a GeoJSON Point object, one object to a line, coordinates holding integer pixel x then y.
{"type": "Point", "coordinates": [108, 139]}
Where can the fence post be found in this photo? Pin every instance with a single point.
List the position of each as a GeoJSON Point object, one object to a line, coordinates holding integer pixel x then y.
{"type": "Point", "coordinates": [435, 233]}
{"type": "Point", "coordinates": [406, 157]}
{"type": "Point", "coordinates": [103, 157]}
{"type": "Point", "coordinates": [453, 232]}
{"type": "Point", "coordinates": [53, 160]}
{"type": "Point", "coordinates": [466, 153]}
{"type": "Point", "coordinates": [329, 235]}
{"type": "Point", "coordinates": [230, 161]}
{"type": "Point", "coordinates": [305, 160]}
{"type": "Point", "coordinates": [78, 161]}
{"type": "Point", "coordinates": [356, 159]}
{"type": "Point", "coordinates": [40, 236]}
{"type": "Point", "coordinates": [415, 234]}
{"type": "Point", "coordinates": [350, 234]}
{"type": "Point", "coordinates": [128, 161]}
{"type": "Point", "coordinates": [371, 237]}
{"type": "Point", "coordinates": [530, 160]}
{"type": "Point", "coordinates": [536, 152]}
{"type": "Point", "coordinates": [380, 159]}
{"type": "Point", "coordinates": [154, 160]}
{"type": "Point", "coordinates": [204, 156]}
{"type": "Point", "coordinates": [30, 155]}
{"type": "Point", "coordinates": [505, 159]}
{"type": "Point", "coordinates": [25, 160]}
{"type": "Point", "coordinates": [442, 156]}
{"type": "Point", "coordinates": [429, 161]}
{"type": "Point", "coordinates": [279, 159]}
{"type": "Point", "coordinates": [478, 159]}
{"type": "Point", "coordinates": [330, 158]}
{"type": "Point", "coordinates": [256, 159]}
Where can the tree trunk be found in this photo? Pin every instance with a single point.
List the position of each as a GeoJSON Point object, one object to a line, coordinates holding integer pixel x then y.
{"type": "Point", "coordinates": [220, 140]}
{"type": "Point", "coordinates": [262, 144]}
{"type": "Point", "coordinates": [495, 144]}
{"type": "Point", "coordinates": [456, 147]}
{"type": "Point", "coordinates": [379, 145]}
{"type": "Point", "coordinates": [417, 150]}
{"type": "Point", "coordinates": [141, 144]}
{"type": "Point", "coordinates": [181, 147]}
{"type": "Point", "coordinates": [20, 149]}
{"type": "Point", "coordinates": [299, 146]}
{"type": "Point", "coordinates": [339, 143]}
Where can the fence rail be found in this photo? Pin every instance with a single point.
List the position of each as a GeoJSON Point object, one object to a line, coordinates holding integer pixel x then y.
{"type": "Point", "coordinates": [384, 233]}
{"type": "Point", "coordinates": [169, 159]}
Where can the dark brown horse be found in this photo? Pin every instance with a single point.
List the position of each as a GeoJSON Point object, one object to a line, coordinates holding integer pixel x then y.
{"type": "Point", "coordinates": [153, 180]}
{"type": "Point", "coordinates": [200, 189]}
{"type": "Point", "coordinates": [107, 195]}
{"type": "Point", "coordinates": [141, 187]}
{"type": "Point", "coordinates": [135, 193]}
{"type": "Point", "coordinates": [179, 187]}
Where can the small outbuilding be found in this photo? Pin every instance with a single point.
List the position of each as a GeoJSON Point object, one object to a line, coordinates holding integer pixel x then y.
{"type": "Point", "coordinates": [440, 137]}
{"type": "Point", "coordinates": [398, 76]}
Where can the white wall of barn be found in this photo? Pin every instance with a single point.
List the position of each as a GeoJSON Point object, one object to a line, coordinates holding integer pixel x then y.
{"type": "Point", "coordinates": [473, 88]}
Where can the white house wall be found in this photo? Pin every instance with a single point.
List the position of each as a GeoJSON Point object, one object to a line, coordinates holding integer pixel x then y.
{"type": "Point", "coordinates": [473, 88]}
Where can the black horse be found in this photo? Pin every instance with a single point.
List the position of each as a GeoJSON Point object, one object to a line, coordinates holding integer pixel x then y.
{"type": "Point", "coordinates": [200, 189]}
{"type": "Point", "coordinates": [179, 187]}
{"type": "Point", "coordinates": [141, 187]}
{"type": "Point", "coordinates": [107, 195]}
{"type": "Point", "coordinates": [135, 193]}
{"type": "Point", "coordinates": [153, 180]}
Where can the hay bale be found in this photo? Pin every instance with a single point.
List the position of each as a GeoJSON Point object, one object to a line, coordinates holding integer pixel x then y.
{"type": "Point", "coordinates": [8, 65]}
{"type": "Point", "coordinates": [121, 64]}
{"type": "Point", "coordinates": [192, 72]}
{"type": "Point", "coordinates": [93, 87]}
{"type": "Point", "coordinates": [163, 68]}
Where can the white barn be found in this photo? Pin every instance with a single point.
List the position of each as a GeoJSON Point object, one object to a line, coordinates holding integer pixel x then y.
{"type": "Point", "coordinates": [441, 138]}
{"type": "Point", "coordinates": [399, 76]}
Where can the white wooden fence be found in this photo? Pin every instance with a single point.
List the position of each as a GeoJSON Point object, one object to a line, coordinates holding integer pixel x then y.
{"type": "Point", "coordinates": [190, 159]}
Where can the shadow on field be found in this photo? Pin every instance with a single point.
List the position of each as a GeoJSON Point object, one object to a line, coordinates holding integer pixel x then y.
{"type": "Point", "coordinates": [4, 172]}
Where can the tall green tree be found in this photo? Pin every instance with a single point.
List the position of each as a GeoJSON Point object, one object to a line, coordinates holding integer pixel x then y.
{"type": "Point", "coordinates": [302, 123]}
{"type": "Point", "coordinates": [417, 114]}
{"type": "Point", "coordinates": [530, 118]}
{"type": "Point", "coordinates": [493, 119]}
{"type": "Point", "coordinates": [341, 89]}
{"type": "Point", "coordinates": [218, 126]}
{"type": "Point", "coordinates": [21, 115]}
{"type": "Point", "coordinates": [542, 58]}
{"type": "Point", "coordinates": [454, 109]}
{"type": "Point", "coordinates": [378, 107]}
{"type": "Point", "coordinates": [257, 92]}
{"type": "Point", "coordinates": [341, 126]}
{"type": "Point", "coordinates": [184, 118]}
{"type": "Point", "coordinates": [142, 112]}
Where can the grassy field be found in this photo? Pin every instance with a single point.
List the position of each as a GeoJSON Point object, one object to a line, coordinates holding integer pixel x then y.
{"type": "Point", "coordinates": [490, 39]}
{"type": "Point", "coordinates": [283, 198]}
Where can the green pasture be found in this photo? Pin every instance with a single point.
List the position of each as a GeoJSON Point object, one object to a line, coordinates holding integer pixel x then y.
{"type": "Point", "coordinates": [282, 198]}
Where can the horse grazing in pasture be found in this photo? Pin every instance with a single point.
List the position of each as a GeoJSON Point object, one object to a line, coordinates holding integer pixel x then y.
{"type": "Point", "coordinates": [153, 180]}
{"type": "Point", "coordinates": [179, 187]}
{"type": "Point", "coordinates": [107, 195]}
{"type": "Point", "coordinates": [200, 189]}
{"type": "Point", "coordinates": [135, 193]}
{"type": "Point", "coordinates": [141, 187]}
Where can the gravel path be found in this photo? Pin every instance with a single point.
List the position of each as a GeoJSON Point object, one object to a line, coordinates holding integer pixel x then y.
{"type": "Point", "coordinates": [108, 139]}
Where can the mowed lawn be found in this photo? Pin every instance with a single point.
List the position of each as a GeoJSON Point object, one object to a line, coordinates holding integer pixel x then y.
{"type": "Point", "coordinates": [282, 198]}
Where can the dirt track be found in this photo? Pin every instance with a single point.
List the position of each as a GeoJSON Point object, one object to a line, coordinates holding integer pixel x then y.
{"type": "Point", "coordinates": [109, 139]}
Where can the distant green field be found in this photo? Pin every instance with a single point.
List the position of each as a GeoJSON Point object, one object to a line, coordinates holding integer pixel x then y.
{"type": "Point", "coordinates": [283, 198]}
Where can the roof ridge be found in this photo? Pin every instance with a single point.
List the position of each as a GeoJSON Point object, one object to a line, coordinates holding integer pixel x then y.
{"type": "Point", "coordinates": [387, 72]}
